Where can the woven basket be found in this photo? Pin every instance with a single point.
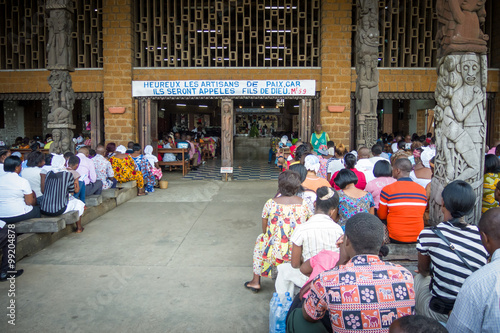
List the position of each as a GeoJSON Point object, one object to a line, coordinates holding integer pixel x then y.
{"type": "Point", "coordinates": [163, 184]}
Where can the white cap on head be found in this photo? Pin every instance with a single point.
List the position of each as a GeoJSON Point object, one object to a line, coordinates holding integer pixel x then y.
{"type": "Point", "coordinates": [427, 156]}
{"type": "Point", "coordinates": [121, 149]}
{"type": "Point", "coordinates": [311, 163]}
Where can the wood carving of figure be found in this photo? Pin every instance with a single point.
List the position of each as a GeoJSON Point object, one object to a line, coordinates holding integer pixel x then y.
{"type": "Point", "coordinates": [55, 82]}
{"type": "Point", "coordinates": [367, 86]}
{"type": "Point", "coordinates": [59, 41]}
{"type": "Point", "coordinates": [55, 147]}
{"type": "Point", "coordinates": [60, 116]}
{"type": "Point", "coordinates": [368, 38]}
{"type": "Point", "coordinates": [228, 125]}
{"type": "Point", "coordinates": [459, 26]}
{"type": "Point", "coordinates": [464, 100]}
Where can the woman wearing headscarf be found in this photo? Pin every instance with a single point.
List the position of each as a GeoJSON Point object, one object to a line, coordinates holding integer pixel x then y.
{"type": "Point", "coordinates": [57, 192]}
{"type": "Point", "coordinates": [153, 161]}
{"type": "Point", "coordinates": [142, 164]}
{"type": "Point", "coordinates": [125, 170]}
{"type": "Point", "coordinates": [313, 181]}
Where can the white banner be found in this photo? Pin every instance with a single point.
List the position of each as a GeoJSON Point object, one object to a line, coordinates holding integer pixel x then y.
{"type": "Point", "coordinates": [297, 88]}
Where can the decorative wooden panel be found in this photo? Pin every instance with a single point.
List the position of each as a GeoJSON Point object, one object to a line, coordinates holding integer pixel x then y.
{"type": "Point", "coordinates": [407, 32]}
{"type": "Point", "coordinates": [227, 33]}
{"type": "Point", "coordinates": [23, 34]}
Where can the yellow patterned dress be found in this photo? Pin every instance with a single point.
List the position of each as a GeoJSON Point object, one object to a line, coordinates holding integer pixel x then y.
{"type": "Point", "coordinates": [489, 186]}
{"type": "Point", "coordinates": [274, 247]}
{"type": "Point", "coordinates": [125, 170]}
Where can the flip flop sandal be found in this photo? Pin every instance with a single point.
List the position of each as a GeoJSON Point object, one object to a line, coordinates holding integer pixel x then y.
{"type": "Point", "coordinates": [254, 290]}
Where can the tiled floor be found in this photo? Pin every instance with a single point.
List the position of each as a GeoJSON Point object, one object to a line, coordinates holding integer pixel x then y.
{"type": "Point", "coordinates": [243, 170]}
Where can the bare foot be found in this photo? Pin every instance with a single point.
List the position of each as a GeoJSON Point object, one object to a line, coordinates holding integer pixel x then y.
{"type": "Point", "coordinates": [79, 231]}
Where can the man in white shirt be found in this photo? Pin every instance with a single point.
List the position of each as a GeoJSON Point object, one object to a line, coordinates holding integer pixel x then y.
{"type": "Point", "coordinates": [477, 306]}
{"type": "Point", "coordinates": [364, 164]}
{"type": "Point", "coordinates": [86, 169]}
{"type": "Point", "coordinates": [17, 200]}
{"type": "Point", "coordinates": [377, 154]}
{"type": "Point", "coordinates": [394, 146]}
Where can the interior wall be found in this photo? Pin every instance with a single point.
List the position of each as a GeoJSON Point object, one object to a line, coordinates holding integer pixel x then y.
{"type": "Point", "coordinates": [416, 105]}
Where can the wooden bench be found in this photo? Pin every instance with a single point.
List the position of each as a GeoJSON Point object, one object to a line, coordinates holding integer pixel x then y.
{"type": "Point", "coordinates": [47, 224]}
{"type": "Point", "coordinates": [24, 152]}
{"type": "Point", "coordinates": [183, 162]}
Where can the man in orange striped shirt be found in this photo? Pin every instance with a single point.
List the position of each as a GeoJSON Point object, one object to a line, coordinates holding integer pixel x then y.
{"type": "Point", "coordinates": [403, 204]}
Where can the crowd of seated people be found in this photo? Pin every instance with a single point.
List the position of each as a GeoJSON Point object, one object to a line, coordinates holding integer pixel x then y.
{"type": "Point", "coordinates": [336, 278]}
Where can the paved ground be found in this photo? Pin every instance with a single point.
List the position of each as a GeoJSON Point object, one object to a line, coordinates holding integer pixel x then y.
{"type": "Point", "coordinates": [174, 261]}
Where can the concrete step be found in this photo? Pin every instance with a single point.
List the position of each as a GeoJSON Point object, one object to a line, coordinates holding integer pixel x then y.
{"type": "Point", "coordinates": [93, 200]}
{"type": "Point", "coordinates": [402, 252]}
{"type": "Point", "coordinates": [69, 217]}
{"type": "Point", "coordinates": [110, 193]}
{"type": "Point", "coordinates": [127, 184]}
{"type": "Point", "coordinates": [41, 225]}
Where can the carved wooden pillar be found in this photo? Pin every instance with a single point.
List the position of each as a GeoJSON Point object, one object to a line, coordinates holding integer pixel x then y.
{"type": "Point", "coordinates": [227, 133]}
{"type": "Point", "coordinates": [305, 115]}
{"type": "Point", "coordinates": [367, 42]}
{"type": "Point", "coordinates": [148, 121]}
{"type": "Point", "coordinates": [60, 63]}
{"type": "Point", "coordinates": [460, 116]}
{"type": "Point", "coordinates": [96, 122]}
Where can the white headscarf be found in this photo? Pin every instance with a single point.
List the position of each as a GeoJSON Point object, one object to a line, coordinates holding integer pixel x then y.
{"type": "Point", "coordinates": [121, 149]}
{"type": "Point", "coordinates": [58, 162]}
{"type": "Point", "coordinates": [148, 150]}
{"type": "Point", "coordinates": [312, 163]}
{"type": "Point", "coordinates": [427, 156]}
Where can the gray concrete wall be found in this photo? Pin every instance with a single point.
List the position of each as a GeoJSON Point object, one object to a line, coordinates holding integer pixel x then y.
{"type": "Point", "coordinates": [246, 148]}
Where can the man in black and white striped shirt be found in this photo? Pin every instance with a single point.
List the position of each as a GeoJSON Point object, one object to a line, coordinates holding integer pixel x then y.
{"type": "Point", "coordinates": [442, 272]}
{"type": "Point", "coordinates": [59, 184]}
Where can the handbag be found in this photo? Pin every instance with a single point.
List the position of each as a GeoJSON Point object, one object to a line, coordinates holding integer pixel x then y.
{"type": "Point", "coordinates": [452, 247]}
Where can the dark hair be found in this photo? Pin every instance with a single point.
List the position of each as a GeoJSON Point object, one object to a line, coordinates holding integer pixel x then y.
{"type": "Point", "coordinates": [300, 169]}
{"type": "Point", "coordinates": [377, 149]}
{"type": "Point", "coordinates": [35, 158]}
{"type": "Point", "coordinates": [136, 147]}
{"type": "Point", "coordinates": [489, 223]}
{"type": "Point", "coordinates": [110, 148]}
{"type": "Point", "coordinates": [3, 151]}
{"type": "Point", "coordinates": [422, 138]}
{"type": "Point", "coordinates": [414, 137]}
{"type": "Point", "coordinates": [130, 144]}
{"type": "Point", "coordinates": [345, 177]}
{"type": "Point", "coordinates": [491, 164]}
{"type": "Point", "coordinates": [330, 144]}
{"type": "Point", "coordinates": [419, 324]}
{"type": "Point", "coordinates": [326, 205]}
{"type": "Point", "coordinates": [459, 198]}
{"type": "Point", "coordinates": [366, 233]}
{"type": "Point", "coordinates": [350, 161]}
{"type": "Point", "coordinates": [300, 151]}
{"type": "Point", "coordinates": [403, 164]}
{"type": "Point", "coordinates": [68, 154]}
{"type": "Point", "coordinates": [401, 144]}
{"type": "Point", "coordinates": [382, 169]}
{"type": "Point", "coordinates": [11, 163]}
{"type": "Point", "coordinates": [74, 160]}
{"type": "Point", "coordinates": [92, 152]}
{"type": "Point", "coordinates": [288, 183]}
{"type": "Point", "coordinates": [48, 159]}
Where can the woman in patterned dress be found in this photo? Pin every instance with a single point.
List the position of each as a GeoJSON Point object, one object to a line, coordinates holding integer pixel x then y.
{"type": "Point", "coordinates": [125, 170]}
{"type": "Point", "coordinates": [491, 179]}
{"type": "Point", "coordinates": [143, 166]}
{"type": "Point", "coordinates": [280, 216]}
{"type": "Point", "coordinates": [352, 199]}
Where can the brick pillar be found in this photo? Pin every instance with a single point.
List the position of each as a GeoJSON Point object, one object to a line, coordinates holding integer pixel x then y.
{"type": "Point", "coordinates": [336, 36]}
{"type": "Point", "coordinates": [117, 23]}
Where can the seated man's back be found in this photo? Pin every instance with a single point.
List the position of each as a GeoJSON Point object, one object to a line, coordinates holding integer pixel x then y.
{"type": "Point", "coordinates": [365, 293]}
{"type": "Point", "coordinates": [403, 204]}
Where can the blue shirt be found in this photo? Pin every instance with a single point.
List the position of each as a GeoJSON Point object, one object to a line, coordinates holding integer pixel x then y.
{"type": "Point", "coordinates": [477, 308]}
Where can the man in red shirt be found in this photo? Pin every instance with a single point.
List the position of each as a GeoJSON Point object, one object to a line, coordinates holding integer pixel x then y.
{"type": "Point", "coordinates": [403, 204]}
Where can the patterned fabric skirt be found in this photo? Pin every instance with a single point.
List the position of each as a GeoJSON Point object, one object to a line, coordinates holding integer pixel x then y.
{"type": "Point", "coordinates": [157, 173]}
{"type": "Point", "coordinates": [145, 167]}
{"type": "Point", "coordinates": [264, 257]}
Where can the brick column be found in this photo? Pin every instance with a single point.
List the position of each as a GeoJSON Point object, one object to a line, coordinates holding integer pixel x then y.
{"type": "Point", "coordinates": [117, 23]}
{"type": "Point", "coordinates": [336, 39]}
